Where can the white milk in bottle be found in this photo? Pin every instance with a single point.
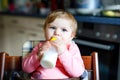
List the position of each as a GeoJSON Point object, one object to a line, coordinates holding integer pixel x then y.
{"type": "Point", "coordinates": [49, 57]}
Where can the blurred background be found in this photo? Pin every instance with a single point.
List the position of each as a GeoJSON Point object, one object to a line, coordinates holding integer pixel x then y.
{"type": "Point", "coordinates": [43, 7]}
{"type": "Point", "coordinates": [98, 28]}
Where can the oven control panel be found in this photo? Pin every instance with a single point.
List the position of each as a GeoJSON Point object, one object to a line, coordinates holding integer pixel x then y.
{"type": "Point", "coordinates": [99, 31]}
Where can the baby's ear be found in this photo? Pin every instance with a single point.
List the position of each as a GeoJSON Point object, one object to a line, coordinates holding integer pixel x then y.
{"type": "Point", "coordinates": [72, 36]}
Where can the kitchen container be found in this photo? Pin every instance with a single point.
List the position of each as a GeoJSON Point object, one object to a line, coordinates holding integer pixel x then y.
{"type": "Point", "coordinates": [88, 6]}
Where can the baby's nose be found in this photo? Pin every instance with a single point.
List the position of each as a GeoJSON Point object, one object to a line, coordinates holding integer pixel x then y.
{"type": "Point", "coordinates": [57, 32]}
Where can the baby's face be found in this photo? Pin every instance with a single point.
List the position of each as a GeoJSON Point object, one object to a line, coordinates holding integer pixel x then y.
{"type": "Point", "coordinates": [60, 28]}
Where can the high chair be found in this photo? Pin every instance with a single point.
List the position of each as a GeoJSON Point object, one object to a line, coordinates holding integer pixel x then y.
{"type": "Point", "coordinates": [13, 63]}
{"type": "Point", "coordinates": [92, 66]}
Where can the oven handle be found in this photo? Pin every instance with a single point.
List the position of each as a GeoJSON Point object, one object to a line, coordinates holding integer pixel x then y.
{"type": "Point", "coordinates": [95, 45]}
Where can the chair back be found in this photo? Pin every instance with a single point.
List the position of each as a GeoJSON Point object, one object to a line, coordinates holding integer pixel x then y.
{"type": "Point", "coordinates": [9, 64]}
{"type": "Point", "coordinates": [2, 61]}
{"type": "Point", "coordinates": [92, 66]}
{"type": "Point", "coordinates": [13, 63]}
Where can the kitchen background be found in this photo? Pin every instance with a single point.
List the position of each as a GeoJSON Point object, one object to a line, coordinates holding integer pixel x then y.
{"type": "Point", "coordinates": [98, 28]}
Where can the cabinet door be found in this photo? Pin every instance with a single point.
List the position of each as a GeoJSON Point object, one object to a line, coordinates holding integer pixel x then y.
{"type": "Point", "coordinates": [34, 28]}
{"type": "Point", "coordinates": [18, 30]}
{"type": "Point", "coordinates": [14, 39]}
{"type": "Point", "coordinates": [34, 35]}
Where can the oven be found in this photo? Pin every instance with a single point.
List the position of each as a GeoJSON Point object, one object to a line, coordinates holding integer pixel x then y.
{"type": "Point", "coordinates": [104, 39]}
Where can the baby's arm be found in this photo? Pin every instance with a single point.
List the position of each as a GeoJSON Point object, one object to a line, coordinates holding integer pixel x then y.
{"type": "Point", "coordinates": [72, 61]}
{"type": "Point", "coordinates": [31, 62]}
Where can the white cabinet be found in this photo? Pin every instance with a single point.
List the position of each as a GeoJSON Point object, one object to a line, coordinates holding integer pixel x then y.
{"type": "Point", "coordinates": [1, 34]}
{"type": "Point", "coordinates": [21, 29]}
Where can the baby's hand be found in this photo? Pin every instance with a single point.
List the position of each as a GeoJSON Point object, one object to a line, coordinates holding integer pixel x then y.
{"type": "Point", "coordinates": [46, 45]}
{"type": "Point", "coordinates": [42, 49]}
{"type": "Point", "coordinates": [61, 48]}
{"type": "Point", "coordinates": [59, 45]}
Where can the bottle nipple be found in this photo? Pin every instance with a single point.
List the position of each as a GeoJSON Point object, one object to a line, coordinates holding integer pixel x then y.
{"type": "Point", "coordinates": [53, 39]}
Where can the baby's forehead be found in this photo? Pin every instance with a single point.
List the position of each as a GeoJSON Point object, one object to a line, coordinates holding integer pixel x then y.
{"type": "Point", "coordinates": [61, 21]}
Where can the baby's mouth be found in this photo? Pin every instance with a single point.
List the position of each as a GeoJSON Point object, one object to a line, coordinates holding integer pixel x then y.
{"type": "Point", "coordinates": [53, 39]}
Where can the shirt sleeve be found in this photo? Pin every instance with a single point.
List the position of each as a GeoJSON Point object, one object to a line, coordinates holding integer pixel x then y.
{"type": "Point", "coordinates": [31, 61]}
{"type": "Point", "coordinates": [72, 61]}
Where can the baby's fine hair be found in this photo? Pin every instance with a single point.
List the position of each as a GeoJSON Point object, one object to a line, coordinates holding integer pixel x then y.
{"type": "Point", "coordinates": [61, 14]}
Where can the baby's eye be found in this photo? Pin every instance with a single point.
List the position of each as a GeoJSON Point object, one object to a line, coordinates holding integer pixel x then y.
{"type": "Point", "coordinates": [52, 27]}
{"type": "Point", "coordinates": [64, 30]}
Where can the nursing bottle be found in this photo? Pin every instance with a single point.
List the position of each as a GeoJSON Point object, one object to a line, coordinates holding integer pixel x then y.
{"type": "Point", "coordinates": [49, 57]}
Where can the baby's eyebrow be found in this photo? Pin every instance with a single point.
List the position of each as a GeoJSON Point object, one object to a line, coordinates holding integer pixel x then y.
{"type": "Point", "coordinates": [52, 25]}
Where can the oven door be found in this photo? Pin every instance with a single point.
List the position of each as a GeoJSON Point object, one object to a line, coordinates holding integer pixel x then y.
{"type": "Point", "coordinates": [107, 54]}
